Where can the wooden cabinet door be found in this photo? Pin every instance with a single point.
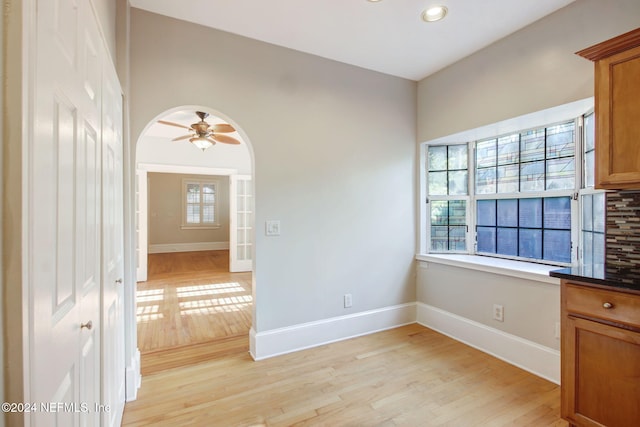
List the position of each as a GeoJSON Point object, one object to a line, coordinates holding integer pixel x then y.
{"type": "Point", "coordinates": [600, 374]}
{"type": "Point", "coordinates": [617, 80]}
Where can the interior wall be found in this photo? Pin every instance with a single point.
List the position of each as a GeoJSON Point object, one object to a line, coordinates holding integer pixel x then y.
{"type": "Point", "coordinates": [106, 13]}
{"type": "Point", "coordinates": [530, 70]}
{"type": "Point", "coordinates": [334, 161]}
{"type": "Point", "coordinates": [165, 210]}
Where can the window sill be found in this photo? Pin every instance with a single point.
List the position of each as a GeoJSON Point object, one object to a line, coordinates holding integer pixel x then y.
{"type": "Point", "coordinates": [199, 227]}
{"type": "Point", "coordinates": [505, 267]}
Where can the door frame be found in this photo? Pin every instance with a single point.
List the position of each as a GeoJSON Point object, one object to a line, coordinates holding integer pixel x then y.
{"type": "Point", "coordinates": [142, 169]}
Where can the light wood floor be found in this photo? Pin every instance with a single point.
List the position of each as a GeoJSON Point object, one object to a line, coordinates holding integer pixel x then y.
{"type": "Point", "coordinates": [189, 298]}
{"type": "Point", "coordinates": [409, 376]}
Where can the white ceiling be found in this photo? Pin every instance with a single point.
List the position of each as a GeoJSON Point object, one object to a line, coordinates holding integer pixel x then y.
{"type": "Point", "coordinates": [387, 36]}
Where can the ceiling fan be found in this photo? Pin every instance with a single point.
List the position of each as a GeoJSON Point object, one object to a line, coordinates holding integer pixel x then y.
{"type": "Point", "coordinates": [203, 135]}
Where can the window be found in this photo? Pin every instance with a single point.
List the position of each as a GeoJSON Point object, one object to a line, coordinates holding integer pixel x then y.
{"type": "Point", "coordinates": [200, 204]}
{"type": "Point", "coordinates": [522, 194]}
{"type": "Point", "coordinates": [448, 189]}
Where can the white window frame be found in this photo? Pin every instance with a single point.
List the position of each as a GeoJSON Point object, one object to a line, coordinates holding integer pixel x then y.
{"type": "Point", "coordinates": [200, 182]}
{"type": "Point", "coordinates": [545, 118]}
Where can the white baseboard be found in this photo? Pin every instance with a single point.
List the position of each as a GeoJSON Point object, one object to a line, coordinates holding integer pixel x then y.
{"type": "Point", "coordinates": [528, 355]}
{"type": "Point", "coordinates": [187, 247]}
{"type": "Point", "coordinates": [133, 378]}
{"type": "Point", "coordinates": [306, 335]}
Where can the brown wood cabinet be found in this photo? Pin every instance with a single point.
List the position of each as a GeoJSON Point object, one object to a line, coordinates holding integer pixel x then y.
{"type": "Point", "coordinates": [600, 356]}
{"type": "Point", "coordinates": [617, 110]}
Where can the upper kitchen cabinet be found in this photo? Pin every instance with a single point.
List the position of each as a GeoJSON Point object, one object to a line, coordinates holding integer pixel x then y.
{"type": "Point", "coordinates": [617, 110]}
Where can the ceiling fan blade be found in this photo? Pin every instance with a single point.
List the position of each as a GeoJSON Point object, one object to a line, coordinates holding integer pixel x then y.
{"type": "Point", "coordinates": [211, 141]}
{"type": "Point", "coordinates": [225, 139]}
{"type": "Point", "coordinates": [180, 138]}
{"type": "Point", "coordinates": [164, 122]}
{"type": "Point", "coordinates": [223, 128]}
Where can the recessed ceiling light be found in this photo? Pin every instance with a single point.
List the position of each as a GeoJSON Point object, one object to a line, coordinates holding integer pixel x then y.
{"type": "Point", "coordinates": [434, 13]}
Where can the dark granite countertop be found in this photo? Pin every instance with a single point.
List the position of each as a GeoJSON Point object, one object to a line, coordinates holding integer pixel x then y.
{"type": "Point", "coordinates": [602, 275]}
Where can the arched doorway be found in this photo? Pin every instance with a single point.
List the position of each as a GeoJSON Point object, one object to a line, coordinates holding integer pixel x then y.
{"type": "Point", "coordinates": [165, 155]}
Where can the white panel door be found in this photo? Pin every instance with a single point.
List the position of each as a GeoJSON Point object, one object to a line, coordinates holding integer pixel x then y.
{"type": "Point", "coordinates": [63, 197]}
{"type": "Point", "coordinates": [241, 223]}
{"type": "Point", "coordinates": [113, 364]}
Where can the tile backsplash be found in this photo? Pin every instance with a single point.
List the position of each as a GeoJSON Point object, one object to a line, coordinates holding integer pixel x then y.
{"type": "Point", "coordinates": [623, 233]}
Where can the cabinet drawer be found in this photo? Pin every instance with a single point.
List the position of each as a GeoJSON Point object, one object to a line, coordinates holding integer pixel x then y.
{"type": "Point", "coordinates": [603, 304]}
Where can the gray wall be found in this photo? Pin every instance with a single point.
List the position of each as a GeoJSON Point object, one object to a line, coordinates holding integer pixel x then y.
{"type": "Point", "coordinates": [531, 70]}
{"type": "Point", "coordinates": [334, 160]}
{"type": "Point", "coordinates": [165, 210]}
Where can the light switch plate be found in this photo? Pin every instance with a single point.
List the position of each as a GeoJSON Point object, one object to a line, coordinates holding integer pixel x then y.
{"type": "Point", "coordinates": [272, 228]}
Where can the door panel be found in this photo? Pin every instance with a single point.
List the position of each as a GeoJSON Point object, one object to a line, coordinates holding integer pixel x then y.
{"type": "Point", "coordinates": [241, 223]}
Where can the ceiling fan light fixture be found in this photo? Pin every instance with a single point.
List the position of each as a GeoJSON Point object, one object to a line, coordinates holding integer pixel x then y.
{"type": "Point", "coordinates": [201, 143]}
{"type": "Point", "coordinates": [434, 13]}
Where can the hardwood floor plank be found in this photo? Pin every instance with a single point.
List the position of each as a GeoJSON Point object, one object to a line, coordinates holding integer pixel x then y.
{"type": "Point", "coordinates": [409, 376]}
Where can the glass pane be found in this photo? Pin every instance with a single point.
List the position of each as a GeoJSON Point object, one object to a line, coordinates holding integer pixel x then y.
{"type": "Point", "coordinates": [599, 209]}
{"type": "Point", "coordinates": [560, 140]}
{"type": "Point", "coordinates": [508, 179]}
{"type": "Point", "coordinates": [530, 214]}
{"type": "Point", "coordinates": [457, 182]}
{"type": "Point", "coordinates": [439, 212]}
{"type": "Point", "coordinates": [458, 212]}
{"type": "Point", "coordinates": [587, 212]}
{"type": "Point", "coordinates": [507, 213]}
{"type": "Point", "coordinates": [532, 176]}
{"type": "Point", "coordinates": [561, 174]}
{"type": "Point", "coordinates": [508, 149]}
{"type": "Point", "coordinates": [439, 238]}
{"type": "Point", "coordinates": [589, 132]}
{"type": "Point", "coordinates": [587, 247]}
{"type": "Point", "coordinates": [487, 239]}
{"type": "Point", "coordinates": [598, 248]}
{"type": "Point", "coordinates": [457, 238]}
{"type": "Point", "coordinates": [207, 214]}
{"type": "Point", "coordinates": [532, 145]}
{"type": "Point", "coordinates": [193, 193]}
{"type": "Point", "coordinates": [486, 181]}
{"type": "Point", "coordinates": [457, 157]}
{"type": "Point", "coordinates": [486, 212]}
{"type": "Point", "coordinates": [589, 168]}
{"type": "Point", "coordinates": [557, 245]}
{"type": "Point", "coordinates": [530, 244]}
{"type": "Point", "coordinates": [437, 157]}
{"type": "Point", "coordinates": [557, 212]}
{"type": "Point", "coordinates": [193, 214]}
{"type": "Point", "coordinates": [486, 153]}
{"type": "Point", "coordinates": [438, 183]}
{"type": "Point", "coordinates": [508, 241]}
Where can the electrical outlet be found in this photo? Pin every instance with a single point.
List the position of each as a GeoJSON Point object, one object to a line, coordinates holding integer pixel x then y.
{"type": "Point", "coordinates": [498, 312]}
{"type": "Point", "coordinates": [348, 301]}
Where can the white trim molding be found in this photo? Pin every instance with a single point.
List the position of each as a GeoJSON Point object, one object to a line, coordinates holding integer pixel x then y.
{"type": "Point", "coordinates": [285, 340]}
{"type": "Point", "coordinates": [133, 378]}
{"type": "Point", "coordinates": [528, 355]}
{"type": "Point", "coordinates": [164, 248]}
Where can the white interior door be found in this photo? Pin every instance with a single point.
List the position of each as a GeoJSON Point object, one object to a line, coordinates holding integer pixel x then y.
{"type": "Point", "coordinates": [241, 223]}
{"type": "Point", "coordinates": [63, 197]}
{"type": "Point", "coordinates": [113, 364]}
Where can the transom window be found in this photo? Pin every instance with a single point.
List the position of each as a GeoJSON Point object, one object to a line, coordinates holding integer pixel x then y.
{"type": "Point", "coordinates": [200, 203]}
{"type": "Point", "coordinates": [525, 194]}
